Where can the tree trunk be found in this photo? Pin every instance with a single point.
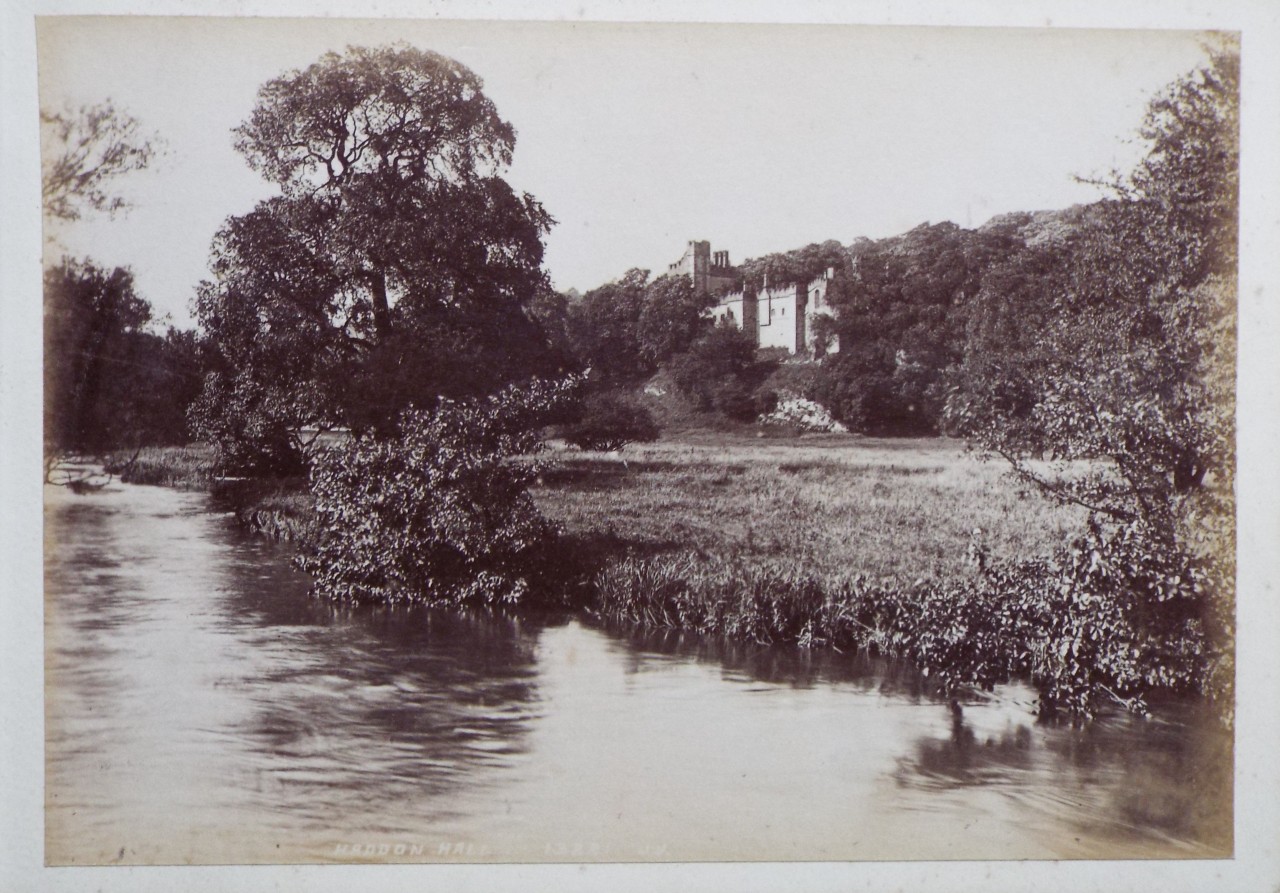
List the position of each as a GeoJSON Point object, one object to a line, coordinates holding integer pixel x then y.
{"type": "Point", "coordinates": [381, 310]}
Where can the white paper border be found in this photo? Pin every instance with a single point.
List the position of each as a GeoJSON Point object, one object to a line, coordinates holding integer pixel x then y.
{"type": "Point", "coordinates": [1256, 865]}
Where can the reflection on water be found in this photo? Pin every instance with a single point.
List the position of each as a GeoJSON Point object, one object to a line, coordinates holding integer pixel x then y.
{"type": "Point", "coordinates": [201, 708]}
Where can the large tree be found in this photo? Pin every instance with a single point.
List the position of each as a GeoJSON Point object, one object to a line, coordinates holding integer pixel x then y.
{"type": "Point", "coordinates": [395, 267]}
{"type": "Point", "coordinates": [1126, 360]}
{"type": "Point", "coordinates": [109, 382]}
{"type": "Point", "coordinates": [604, 329]}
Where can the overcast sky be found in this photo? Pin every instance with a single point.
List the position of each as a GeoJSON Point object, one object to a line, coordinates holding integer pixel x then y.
{"type": "Point", "coordinates": [637, 138]}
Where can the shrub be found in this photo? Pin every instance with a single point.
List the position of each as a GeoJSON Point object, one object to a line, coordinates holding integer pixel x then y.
{"type": "Point", "coordinates": [610, 421]}
{"type": "Point", "coordinates": [439, 514]}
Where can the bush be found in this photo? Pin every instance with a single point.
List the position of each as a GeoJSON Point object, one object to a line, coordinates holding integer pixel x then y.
{"type": "Point", "coordinates": [249, 425]}
{"type": "Point", "coordinates": [610, 421]}
{"type": "Point", "coordinates": [439, 514]}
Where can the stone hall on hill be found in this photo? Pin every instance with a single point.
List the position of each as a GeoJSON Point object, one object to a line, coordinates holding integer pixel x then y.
{"type": "Point", "coordinates": [781, 316]}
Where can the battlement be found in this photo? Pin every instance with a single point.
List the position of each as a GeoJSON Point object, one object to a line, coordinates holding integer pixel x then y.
{"type": "Point", "coordinates": [709, 271]}
{"type": "Point", "coordinates": [775, 316]}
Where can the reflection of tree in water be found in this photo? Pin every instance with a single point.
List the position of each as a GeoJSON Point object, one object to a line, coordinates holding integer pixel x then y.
{"type": "Point", "coordinates": [1118, 775]}
{"type": "Point", "coordinates": [967, 758]}
{"type": "Point", "coordinates": [774, 664]}
{"type": "Point", "coordinates": [362, 704]}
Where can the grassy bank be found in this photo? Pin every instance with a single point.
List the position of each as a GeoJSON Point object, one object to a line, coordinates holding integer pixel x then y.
{"type": "Point", "coordinates": [187, 468]}
{"type": "Point", "coordinates": [831, 506]}
{"type": "Point", "coordinates": [278, 508]}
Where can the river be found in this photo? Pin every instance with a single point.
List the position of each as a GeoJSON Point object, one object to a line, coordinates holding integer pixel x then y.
{"type": "Point", "coordinates": [201, 708]}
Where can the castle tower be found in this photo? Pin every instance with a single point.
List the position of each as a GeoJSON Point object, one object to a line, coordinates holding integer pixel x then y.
{"type": "Point", "coordinates": [802, 319]}
{"type": "Point", "coordinates": [751, 312]}
{"type": "Point", "coordinates": [700, 258]}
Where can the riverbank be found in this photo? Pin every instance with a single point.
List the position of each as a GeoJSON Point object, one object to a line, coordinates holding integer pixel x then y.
{"type": "Point", "coordinates": [908, 548]}
{"type": "Point", "coordinates": [831, 506]}
{"type": "Point", "coordinates": [280, 508]}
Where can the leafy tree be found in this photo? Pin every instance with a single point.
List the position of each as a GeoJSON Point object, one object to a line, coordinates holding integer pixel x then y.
{"type": "Point", "coordinates": [1133, 357]}
{"type": "Point", "coordinates": [1123, 401]}
{"type": "Point", "coordinates": [800, 266]}
{"type": "Point", "coordinates": [672, 318]}
{"type": "Point", "coordinates": [721, 372]}
{"type": "Point", "coordinates": [395, 268]}
{"type": "Point", "coordinates": [84, 151]}
{"type": "Point", "coordinates": [900, 314]}
{"type": "Point", "coordinates": [109, 382]}
{"type": "Point", "coordinates": [604, 328]}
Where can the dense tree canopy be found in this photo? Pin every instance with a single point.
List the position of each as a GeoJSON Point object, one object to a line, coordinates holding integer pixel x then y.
{"type": "Point", "coordinates": [396, 267]}
{"type": "Point", "coordinates": [793, 267]}
{"type": "Point", "coordinates": [109, 382]}
{"type": "Point", "coordinates": [604, 329]}
{"type": "Point", "coordinates": [721, 371]}
{"type": "Point", "coordinates": [900, 316]}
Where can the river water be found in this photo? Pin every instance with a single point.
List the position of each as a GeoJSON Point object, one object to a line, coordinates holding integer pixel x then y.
{"type": "Point", "coordinates": [200, 708]}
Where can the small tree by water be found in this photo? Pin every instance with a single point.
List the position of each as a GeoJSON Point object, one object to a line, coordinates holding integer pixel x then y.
{"type": "Point", "coordinates": [440, 513]}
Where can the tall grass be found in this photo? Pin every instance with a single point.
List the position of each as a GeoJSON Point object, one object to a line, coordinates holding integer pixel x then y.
{"type": "Point", "coordinates": [831, 506]}
{"type": "Point", "coordinates": [189, 467]}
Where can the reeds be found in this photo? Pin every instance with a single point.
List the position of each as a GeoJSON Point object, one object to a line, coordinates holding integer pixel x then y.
{"type": "Point", "coordinates": [187, 468]}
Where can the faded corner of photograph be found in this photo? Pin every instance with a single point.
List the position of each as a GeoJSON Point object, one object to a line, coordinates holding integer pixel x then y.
{"type": "Point", "coordinates": [482, 442]}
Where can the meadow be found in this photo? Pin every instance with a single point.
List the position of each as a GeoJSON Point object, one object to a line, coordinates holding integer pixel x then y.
{"type": "Point", "coordinates": [833, 506]}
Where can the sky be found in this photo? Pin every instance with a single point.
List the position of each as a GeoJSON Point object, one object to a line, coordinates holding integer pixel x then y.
{"type": "Point", "coordinates": [639, 137]}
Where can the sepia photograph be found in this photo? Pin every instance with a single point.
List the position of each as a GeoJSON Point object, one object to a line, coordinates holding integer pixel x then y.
{"type": "Point", "coordinates": [617, 441]}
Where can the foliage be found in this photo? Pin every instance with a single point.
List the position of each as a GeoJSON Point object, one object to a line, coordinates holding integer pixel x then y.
{"type": "Point", "coordinates": [441, 513]}
{"type": "Point", "coordinates": [720, 372]}
{"type": "Point", "coordinates": [797, 267]}
{"type": "Point", "coordinates": [624, 330]}
{"type": "Point", "coordinates": [109, 383]}
{"type": "Point", "coordinates": [395, 269]}
{"type": "Point", "coordinates": [899, 315]}
{"type": "Point", "coordinates": [1056, 623]}
{"type": "Point", "coordinates": [1123, 400]}
{"type": "Point", "coordinates": [672, 317]}
{"type": "Point", "coordinates": [1132, 366]}
{"type": "Point", "coordinates": [610, 421]}
{"type": "Point", "coordinates": [84, 151]}
{"type": "Point", "coordinates": [604, 329]}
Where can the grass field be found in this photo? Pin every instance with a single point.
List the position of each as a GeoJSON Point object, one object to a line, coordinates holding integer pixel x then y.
{"type": "Point", "coordinates": [832, 505]}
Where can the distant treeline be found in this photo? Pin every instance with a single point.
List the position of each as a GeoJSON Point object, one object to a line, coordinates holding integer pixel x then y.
{"type": "Point", "coordinates": [909, 311]}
